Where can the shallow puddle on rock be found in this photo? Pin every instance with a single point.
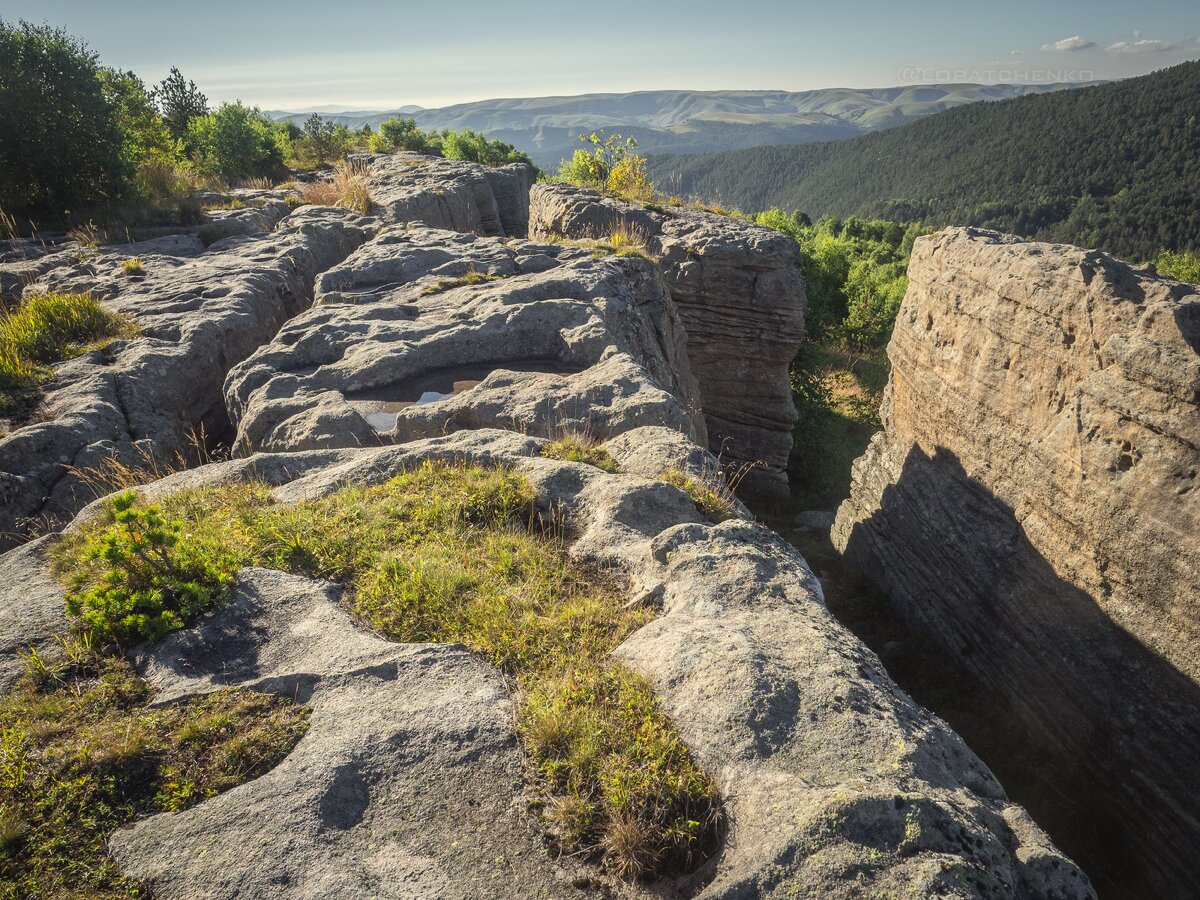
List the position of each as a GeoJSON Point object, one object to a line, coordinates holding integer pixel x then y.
{"type": "Point", "coordinates": [379, 406]}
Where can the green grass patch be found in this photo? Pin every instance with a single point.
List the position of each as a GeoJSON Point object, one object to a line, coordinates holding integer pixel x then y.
{"type": "Point", "coordinates": [446, 553]}
{"type": "Point", "coordinates": [471, 277]}
{"type": "Point", "coordinates": [44, 329]}
{"type": "Point", "coordinates": [580, 448]}
{"type": "Point", "coordinates": [711, 499]}
{"type": "Point", "coordinates": [81, 754]}
{"type": "Point", "coordinates": [133, 266]}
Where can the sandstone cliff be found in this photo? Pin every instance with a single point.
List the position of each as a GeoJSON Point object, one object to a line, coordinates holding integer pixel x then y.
{"type": "Point", "coordinates": [741, 298]}
{"type": "Point", "coordinates": [1033, 502]}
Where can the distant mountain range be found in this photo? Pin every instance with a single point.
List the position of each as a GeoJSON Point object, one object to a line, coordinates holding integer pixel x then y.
{"type": "Point", "coordinates": [1115, 166]}
{"type": "Point", "coordinates": [548, 128]}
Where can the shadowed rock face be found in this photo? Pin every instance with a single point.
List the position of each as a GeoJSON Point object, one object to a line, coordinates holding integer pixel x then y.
{"type": "Point", "coordinates": [199, 314]}
{"type": "Point", "coordinates": [449, 194]}
{"type": "Point", "coordinates": [741, 298]}
{"type": "Point", "coordinates": [1033, 503]}
{"type": "Point", "coordinates": [403, 345]}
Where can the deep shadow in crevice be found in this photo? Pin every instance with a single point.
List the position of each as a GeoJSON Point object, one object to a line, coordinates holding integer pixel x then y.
{"type": "Point", "coordinates": [1106, 734]}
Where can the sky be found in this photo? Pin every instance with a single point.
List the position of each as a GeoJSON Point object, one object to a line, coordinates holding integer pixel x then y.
{"type": "Point", "coordinates": [373, 55]}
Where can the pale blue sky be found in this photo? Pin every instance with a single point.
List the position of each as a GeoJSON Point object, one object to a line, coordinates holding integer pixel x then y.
{"type": "Point", "coordinates": [377, 55]}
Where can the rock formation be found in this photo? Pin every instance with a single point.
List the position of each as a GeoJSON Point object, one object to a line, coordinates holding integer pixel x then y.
{"type": "Point", "coordinates": [1034, 503]}
{"type": "Point", "coordinates": [836, 783]}
{"type": "Point", "coordinates": [741, 298]}
{"type": "Point", "coordinates": [425, 344]}
{"type": "Point", "coordinates": [443, 193]}
{"type": "Point", "coordinates": [423, 332]}
{"type": "Point", "coordinates": [198, 315]}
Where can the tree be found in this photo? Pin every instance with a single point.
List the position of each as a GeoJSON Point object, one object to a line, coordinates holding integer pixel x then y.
{"type": "Point", "coordinates": [179, 101]}
{"type": "Point", "coordinates": [61, 146]}
{"type": "Point", "coordinates": [235, 142]}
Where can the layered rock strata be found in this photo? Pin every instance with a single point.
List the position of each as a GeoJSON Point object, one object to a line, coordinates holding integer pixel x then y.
{"type": "Point", "coordinates": [198, 315]}
{"type": "Point", "coordinates": [450, 194]}
{"type": "Point", "coordinates": [1034, 503]}
{"type": "Point", "coordinates": [407, 782]}
{"type": "Point", "coordinates": [422, 332]}
{"type": "Point", "coordinates": [741, 297]}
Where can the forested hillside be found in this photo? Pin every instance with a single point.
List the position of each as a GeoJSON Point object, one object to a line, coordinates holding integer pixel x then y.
{"type": "Point", "coordinates": [1115, 166]}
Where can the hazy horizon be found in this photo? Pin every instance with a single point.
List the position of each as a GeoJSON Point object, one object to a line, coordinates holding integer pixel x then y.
{"type": "Point", "coordinates": [367, 56]}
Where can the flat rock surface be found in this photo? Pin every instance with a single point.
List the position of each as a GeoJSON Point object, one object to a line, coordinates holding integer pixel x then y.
{"type": "Point", "coordinates": [1033, 504]}
{"type": "Point", "coordinates": [422, 332]}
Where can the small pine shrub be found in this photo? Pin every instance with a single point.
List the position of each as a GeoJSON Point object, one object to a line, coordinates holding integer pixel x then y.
{"type": "Point", "coordinates": [139, 581]}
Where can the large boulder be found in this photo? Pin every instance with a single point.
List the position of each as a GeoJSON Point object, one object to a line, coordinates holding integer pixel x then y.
{"type": "Point", "coordinates": [408, 782]}
{"type": "Point", "coordinates": [139, 399]}
{"type": "Point", "coordinates": [450, 194]}
{"type": "Point", "coordinates": [422, 332]}
{"type": "Point", "coordinates": [740, 295]}
{"type": "Point", "coordinates": [1033, 504]}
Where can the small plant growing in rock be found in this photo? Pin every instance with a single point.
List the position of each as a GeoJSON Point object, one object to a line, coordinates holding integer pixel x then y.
{"type": "Point", "coordinates": [580, 448]}
{"type": "Point", "coordinates": [133, 267]}
{"type": "Point", "coordinates": [711, 499]}
{"type": "Point", "coordinates": [612, 165]}
{"type": "Point", "coordinates": [139, 580]}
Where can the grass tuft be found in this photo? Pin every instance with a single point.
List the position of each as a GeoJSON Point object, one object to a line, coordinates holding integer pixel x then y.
{"type": "Point", "coordinates": [81, 754]}
{"type": "Point", "coordinates": [713, 500]}
{"type": "Point", "coordinates": [44, 329]}
{"type": "Point", "coordinates": [470, 278]}
{"type": "Point", "coordinates": [347, 188]}
{"type": "Point", "coordinates": [133, 266]}
{"type": "Point", "coordinates": [454, 553]}
{"type": "Point", "coordinates": [580, 448]}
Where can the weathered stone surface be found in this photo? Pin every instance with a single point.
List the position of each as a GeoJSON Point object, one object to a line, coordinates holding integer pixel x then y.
{"type": "Point", "coordinates": [31, 607]}
{"type": "Point", "coordinates": [1033, 504]}
{"type": "Point", "coordinates": [836, 783]}
{"type": "Point", "coordinates": [450, 194]}
{"type": "Point", "coordinates": [741, 297]}
{"type": "Point", "coordinates": [407, 784]}
{"type": "Point", "coordinates": [198, 316]}
{"type": "Point", "coordinates": [548, 340]}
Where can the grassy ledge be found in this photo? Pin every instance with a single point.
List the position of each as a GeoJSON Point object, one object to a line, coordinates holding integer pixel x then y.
{"type": "Point", "coordinates": [445, 554]}
{"type": "Point", "coordinates": [82, 755]}
{"type": "Point", "coordinates": [711, 499]}
{"type": "Point", "coordinates": [45, 329]}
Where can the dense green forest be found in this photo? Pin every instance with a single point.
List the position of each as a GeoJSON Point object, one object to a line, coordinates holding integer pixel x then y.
{"type": "Point", "coordinates": [80, 139]}
{"type": "Point", "coordinates": [1115, 166]}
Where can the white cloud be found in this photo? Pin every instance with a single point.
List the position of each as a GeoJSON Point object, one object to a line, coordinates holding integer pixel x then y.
{"type": "Point", "coordinates": [1015, 52]}
{"type": "Point", "coordinates": [1143, 46]}
{"type": "Point", "coordinates": [1071, 43]}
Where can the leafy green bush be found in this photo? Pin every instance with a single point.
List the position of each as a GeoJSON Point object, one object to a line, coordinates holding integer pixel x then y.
{"type": "Point", "coordinates": [47, 328]}
{"type": "Point", "coordinates": [612, 165]}
{"type": "Point", "coordinates": [61, 144]}
{"type": "Point", "coordinates": [1185, 266]}
{"type": "Point", "coordinates": [403, 134]}
{"type": "Point", "coordinates": [235, 142]}
{"type": "Point", "coordinates": [138, 580]}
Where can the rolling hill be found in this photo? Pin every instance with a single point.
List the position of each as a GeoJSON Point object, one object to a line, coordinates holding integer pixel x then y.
{"type": "Point", "coordinates": [547, 128]}
{"type": "Point", "coordinates": [1115, 166]}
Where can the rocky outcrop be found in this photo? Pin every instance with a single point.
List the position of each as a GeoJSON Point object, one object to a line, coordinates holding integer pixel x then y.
{"type": "Point", "coordinates": [139, 398]}
{"type": "Point", "coordinates": [407, 782]}
{"type": "Point", "coordinates": [449, 194]}
{"type": "Point", "coordinates": [740, 295]}
{"type": "Point", "coordinates": [1034, 502]}
{"type": "Point", "coordinates": [422, 332]}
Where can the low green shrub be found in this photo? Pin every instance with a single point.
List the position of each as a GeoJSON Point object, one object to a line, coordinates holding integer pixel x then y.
{"type": "Point", "coordinates": [136, 580]}
{"type": "Point", "coordinates": [1184, 266]}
